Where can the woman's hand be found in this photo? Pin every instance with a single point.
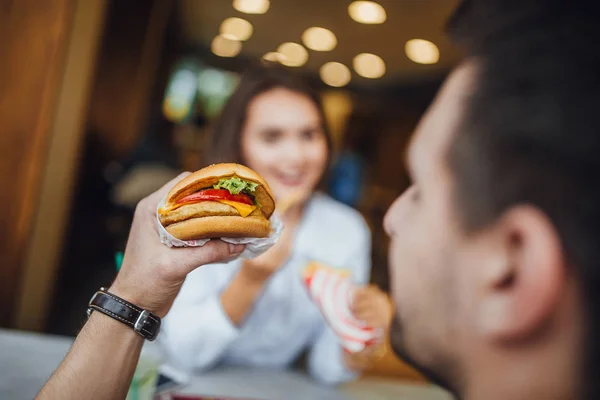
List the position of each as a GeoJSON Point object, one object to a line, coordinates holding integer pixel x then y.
{"type": "Point", "coordinates": [362, 360]}
{"type": "Point", "coordinates": [263, 266]}
{"type": "Point", "coordinates": [373, 306]}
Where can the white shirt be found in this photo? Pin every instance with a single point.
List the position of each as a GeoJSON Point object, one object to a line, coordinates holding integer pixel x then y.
{"type": "Point", "coordinates": [197, 333]}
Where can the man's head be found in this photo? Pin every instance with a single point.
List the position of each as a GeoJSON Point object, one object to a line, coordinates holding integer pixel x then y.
{"type": "Point", "coordinates": [495, 256]}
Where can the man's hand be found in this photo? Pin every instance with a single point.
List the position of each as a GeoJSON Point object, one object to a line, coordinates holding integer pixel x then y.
{"type": "Point", "coordinates": [103, 358]}
{"type": "Point", "coordinates": [152, 274]}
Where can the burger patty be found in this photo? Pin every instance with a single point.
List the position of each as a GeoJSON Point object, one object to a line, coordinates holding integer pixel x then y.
{"type": "Point", "coordinates": [202, 209]}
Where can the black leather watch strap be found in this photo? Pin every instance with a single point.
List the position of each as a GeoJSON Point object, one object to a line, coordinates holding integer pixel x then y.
{"type": "Point", "coordinates": [143, 322]}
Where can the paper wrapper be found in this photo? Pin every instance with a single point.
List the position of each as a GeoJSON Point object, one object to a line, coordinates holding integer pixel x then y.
{"type": "Point", "coordinates": [333, 291]}
{"type": "Point", "coordinates": [254, 246]}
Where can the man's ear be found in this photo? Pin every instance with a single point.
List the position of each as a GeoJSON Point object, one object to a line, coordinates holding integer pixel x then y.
{"type": "Point", "coordinates": [523, 280]}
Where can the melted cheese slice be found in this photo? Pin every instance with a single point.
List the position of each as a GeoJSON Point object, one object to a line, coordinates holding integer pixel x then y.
{"type": "Point", "coordinates": [166, 210]}
{"type": "Point", "coordinates": [243, 208]}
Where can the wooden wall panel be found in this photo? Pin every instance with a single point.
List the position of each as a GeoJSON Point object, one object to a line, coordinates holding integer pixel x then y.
{"type": "Point", "coordinates": [46, 237]}
{"type": "Point", "coordinates": [109, 59]}
{"type": "Point", "coordinates": [32, 47]}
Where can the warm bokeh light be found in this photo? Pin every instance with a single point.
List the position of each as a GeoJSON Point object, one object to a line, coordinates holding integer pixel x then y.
{"type": "Point", "coordinates": [274, 56]}
{"type": "Point", "coordinates": [294, 54]}
{"type": "Point", "coordinates": [369, 65]}
{"type": "Point", "coordinates": [236, 28]}
{"type": "Point", "coordinates": [335, 74]}
{"type": "Point", "coordinates": [251, 6]}
{"type": "Point", "coordinates": [422, 51]}
{"type": "Point", "coordinates": [225, 47]}
{"type": "Point", "coordinates": [319, 39]}
{"type": "Point", "coordinates": [337, 105]}
{"type": "Point", "coordinates": [367, 12]}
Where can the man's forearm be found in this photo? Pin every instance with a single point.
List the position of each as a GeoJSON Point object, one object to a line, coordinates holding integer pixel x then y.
{"type": "Point", "coordinates": [102, 361]}
{"type": "Point", "coordinates": [106, 350]}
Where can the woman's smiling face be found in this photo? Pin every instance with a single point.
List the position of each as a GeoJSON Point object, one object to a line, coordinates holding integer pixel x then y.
{"type": "Point", "coordinates": [283, 140]}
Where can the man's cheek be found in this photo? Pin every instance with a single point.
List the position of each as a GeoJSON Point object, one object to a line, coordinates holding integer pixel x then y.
{"type": "Point", "coordinates": [402, 270]}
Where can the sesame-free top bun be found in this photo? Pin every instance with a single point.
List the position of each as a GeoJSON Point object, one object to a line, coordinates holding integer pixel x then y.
{"type": "Point", "coordinates": [206, 177]}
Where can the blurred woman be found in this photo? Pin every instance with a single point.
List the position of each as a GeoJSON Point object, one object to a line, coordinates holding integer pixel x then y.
{"type": "Point", "coordinates": [257, 312]}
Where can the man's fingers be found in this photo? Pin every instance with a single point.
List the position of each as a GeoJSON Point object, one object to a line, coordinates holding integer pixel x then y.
{"type": "Point", "coordinates": [215, 251]}
{"type": "Point", "coordinates": [236, 249]}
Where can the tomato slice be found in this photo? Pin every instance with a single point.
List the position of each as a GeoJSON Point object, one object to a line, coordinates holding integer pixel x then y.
{"type": "Point", "coordinates": [241, 198]}
{"type": "Point", "coordinates": [215, 194]}
{"type": "Point", "coordinates": [204, 195]}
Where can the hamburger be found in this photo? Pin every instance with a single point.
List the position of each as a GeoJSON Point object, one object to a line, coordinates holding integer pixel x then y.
{"type": "Point", "coordinates": [221, 200]}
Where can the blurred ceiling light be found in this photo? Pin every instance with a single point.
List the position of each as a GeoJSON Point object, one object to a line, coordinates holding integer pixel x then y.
{"type": "Point", "coordinates": [225, 47]}
{"type": "Point", "coordinates": [251, 6]}
{"type": "Point", "coordinates": [422, 51]}
{"type": "Point", "coordinates": [319, 39]}
{"type": "Point", "coordinates": [335, 74]}
{"type": "Point", "coordinates": [367, 12]}
{"type": "Point", "coordinates": [369, 65]}
{"type": "Point", "coordinates": [294, 54]}
{"type": "Point", "coordinates": [236, 29]}
{"type": "Point", "coordinates": [274, 56]}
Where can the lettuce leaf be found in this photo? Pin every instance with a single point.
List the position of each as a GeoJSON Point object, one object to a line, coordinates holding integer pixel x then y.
{"type": "Point", "coordinates": [236, 185]}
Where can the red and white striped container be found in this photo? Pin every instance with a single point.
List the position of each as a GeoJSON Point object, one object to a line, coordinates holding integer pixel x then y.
{"type": "Point", "coordinates": [333, 291]}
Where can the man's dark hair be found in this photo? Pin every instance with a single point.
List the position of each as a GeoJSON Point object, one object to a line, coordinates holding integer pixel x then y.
{"type": "Point", "coordinates": [531, 134]}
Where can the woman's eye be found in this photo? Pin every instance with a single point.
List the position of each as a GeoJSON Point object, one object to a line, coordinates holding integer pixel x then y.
{"type": "Point", "coordinates": [271, 136]}
{"type": "Point", "coordinates": [310, 134]}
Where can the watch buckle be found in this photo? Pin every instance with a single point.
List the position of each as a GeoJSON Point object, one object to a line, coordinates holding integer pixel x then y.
{"type": "Point", "coordinates": [141, 321]}
{"type": "Point", "coordinates": [90, 309]}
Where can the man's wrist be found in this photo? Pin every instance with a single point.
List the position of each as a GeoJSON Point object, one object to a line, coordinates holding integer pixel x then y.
{"type": "Point", "coordinates": [142, 321]}
{"type": "Point", "coordinates": [129, 294]}
{"type": "Point", "coordinates": [134, 296]}
{"type": "Point", "coordinates": [105, 323]}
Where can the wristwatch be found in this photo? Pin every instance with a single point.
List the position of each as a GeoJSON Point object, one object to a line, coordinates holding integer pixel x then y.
{"type": "Point", "coordinates": [142, 321]}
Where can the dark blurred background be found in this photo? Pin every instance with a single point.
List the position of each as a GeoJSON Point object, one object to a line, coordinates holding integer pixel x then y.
{"type": "Point", "coordinates": [117, 99]}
